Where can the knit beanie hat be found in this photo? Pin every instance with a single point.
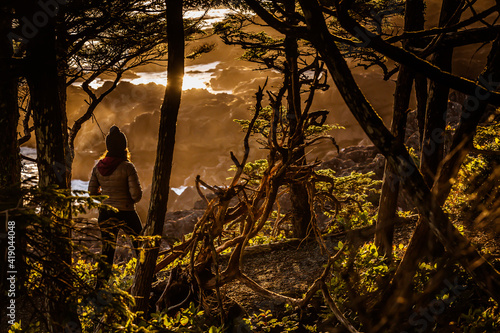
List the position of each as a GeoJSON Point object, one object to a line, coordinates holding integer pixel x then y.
{"type": "Point", "coordinates": [116, 142]}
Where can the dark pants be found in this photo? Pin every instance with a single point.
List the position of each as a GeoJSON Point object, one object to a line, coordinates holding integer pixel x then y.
{"type": "Point", "coordinates": [110, 224]}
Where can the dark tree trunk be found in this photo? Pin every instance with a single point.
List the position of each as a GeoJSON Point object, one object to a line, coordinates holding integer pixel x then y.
{"type": "Point", "coordinates": [473, 111]}
{"type": "Point", "coordinates": [397, 155]}
{"type": "Point", "coordinates": [423, 240]}
{"type": "Point", "coordinates": [432, 146]}
{"type": "Point", "coordinates": [301, 210]}
{"type": "Point", "coordinates": [421, 96]}
{"type": "Point", "coordinates": [45, 59]}
{"type": "Point", "coordinates": [48, 102]}
{"type": "Point", "coordinates": [62, 48]}
{"type": "Point", "coordinates": [10, 168]}
{"type": "Point", "coordinates": [433, 131]}
{"type": "Point", "coordinates": [164, 154]}
{"type": "Point", "coordinates": [442, 185]}
{"type": "Point", "coordinates": [390, 185]}
{"type": "Point", "coordinates": [414, 20]}
{"type": "Point", "coordinates": [432, 149]}
{"type": "Point", "coordinates": [435, 119]}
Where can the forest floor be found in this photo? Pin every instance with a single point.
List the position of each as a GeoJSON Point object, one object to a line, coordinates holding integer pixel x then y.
{"type": "Point", "coordinates": [290, 268]}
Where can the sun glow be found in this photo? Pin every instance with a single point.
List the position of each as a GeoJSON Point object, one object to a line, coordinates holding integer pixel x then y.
{"type": "Point", "coordinates": [195, 77]}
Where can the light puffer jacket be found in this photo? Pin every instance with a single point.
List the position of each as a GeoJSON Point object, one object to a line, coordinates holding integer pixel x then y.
{"type": "Point", "coordinates": [122, 186]}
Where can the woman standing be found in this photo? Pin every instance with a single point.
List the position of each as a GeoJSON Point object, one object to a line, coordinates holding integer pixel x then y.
{"type": "Point", "coordinates": [116, 177]}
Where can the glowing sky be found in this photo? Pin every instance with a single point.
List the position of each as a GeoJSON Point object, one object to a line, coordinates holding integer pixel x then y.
{"type": "Point", "coordinates": [195, 77]}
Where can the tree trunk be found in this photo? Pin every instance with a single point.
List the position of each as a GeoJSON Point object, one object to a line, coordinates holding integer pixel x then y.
{"type": "Point", "coordinates": [442, 186]}
{"type": "Point", "coordinates": [414, 20]}
{"type": "Point", "coordinates": [435, 121]}
{"type": "Point", "coordinates": [473, 111]}
{"type": "Point", "coordinates": [47, 87]}
{"type": "Point", "coordinates": [164, 155]}
{"type": "Point", "coordinates": [390, 185]}
{"type": "Point", "coordinates": [432, 150]}
{"type": "Point", "coordinates": [299, 197]}
{"type": "Point", "coordinates": [421, 96]}
{"type": "Point", "coordinates": [10, 168]}
{"type": "Point", "coordinates": [48, 102]}
{"type": "Point", "coordinates": [397, 155]}
{"type": "Point", "coordinates": [431, 155]}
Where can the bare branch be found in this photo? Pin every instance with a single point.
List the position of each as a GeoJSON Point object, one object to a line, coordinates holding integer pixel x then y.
{"type": "Point", "coordinates": [336, 311]}
{"type": "Point", "coordinates": [407, 58]}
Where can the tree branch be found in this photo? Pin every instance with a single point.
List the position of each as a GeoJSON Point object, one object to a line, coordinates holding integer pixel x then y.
{"type": "Point", "coordinates": [397, 155]}
{"type": "Point", "coordinates": [407, 58]}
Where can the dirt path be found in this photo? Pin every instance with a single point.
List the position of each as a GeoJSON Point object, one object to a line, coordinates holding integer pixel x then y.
{"type": "Point", "coordinates": [289, 269]}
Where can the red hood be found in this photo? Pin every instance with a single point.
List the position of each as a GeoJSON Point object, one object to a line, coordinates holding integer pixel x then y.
{"type": "Point", "coordinates": [107, 165]}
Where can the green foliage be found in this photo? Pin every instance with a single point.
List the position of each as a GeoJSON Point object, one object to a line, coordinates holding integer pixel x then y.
{"type": "Point", "coordinates": [463, 202]}
{"type": "Point", "coordinates": [261, 239]}
{"type": "Point", "coordinates": [357, 185]}
{"type": "Point", "coordinates": [44, 225]}
{"type": "Point", "coordinates": [259, 47]}
{"type": "Point", "coordinates": [112, 306]}
{"type": "Point", "coordinates": [371, 267]}
{"type": "Point", "coordinates": [189, 319]}
{"type": "Point", "coordinates": [126, 276]}
{"type": "Point", "coordinates": [424, 272]}
{"type": "Point", "coordinates": [253, 170]}
{"type": "Point", "coordinates": [486, 137]}
{"type": "Point", "coordinates": [266, 321]}
{"type": "Point", "coordinates": [268, 235]}
{"type": "Point", "coordinates": [16, 327]}
{"type": "Point", "coordinates": [414, 155]}
{"type": "Point", "coordinates": [263, 124]}
{"type": "Point", "coordinates": [474, 194]}
{"type": "Point", "coordinates": [352, 192]}
{"type": "Point", "coordinates": [51, 203]}
{"type": "Point", "coordinates": [359, 276]}
{"type": "Point", "coordinates": [481, 319]}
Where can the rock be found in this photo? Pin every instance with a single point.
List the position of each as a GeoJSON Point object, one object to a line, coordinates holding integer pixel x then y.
{"type": "Point", "coordinates": [124, 248]}
{"type": "Point", "coordinates": [453, 112]}
{"type": "Point", "coordinates": [179, 223]}
{"type": "Point", "coordinates": [362, 159]}
{"type": "Point", "coordinates": [201, 203]}
{"type": "Point", "coordinates": [86, 237]}
{"type": "Point", "coordinates": [187, 199]}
